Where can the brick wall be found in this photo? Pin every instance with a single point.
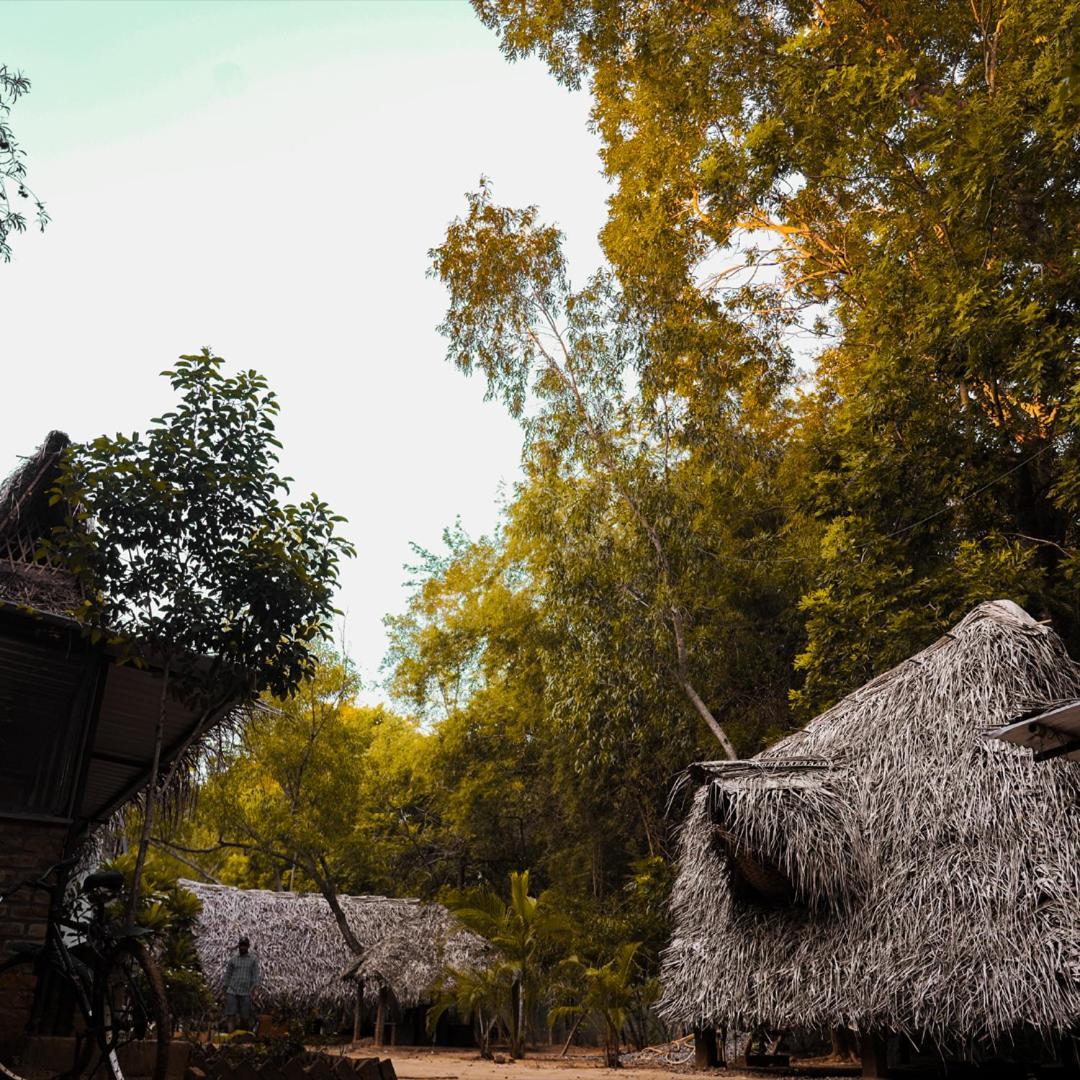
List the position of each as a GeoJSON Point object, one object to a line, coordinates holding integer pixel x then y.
{"type": "Point", "coordinates": [27, 850]}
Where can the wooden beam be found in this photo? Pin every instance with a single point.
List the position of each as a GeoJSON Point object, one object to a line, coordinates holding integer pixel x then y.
{"type": "Point", "coordinates": [1069, 747]}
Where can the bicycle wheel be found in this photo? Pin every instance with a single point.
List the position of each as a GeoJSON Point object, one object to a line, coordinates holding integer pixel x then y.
{"type": "Point", "coordinates": [19, 1058]}
{"type": "Point", "coordinates": [130, 1007]}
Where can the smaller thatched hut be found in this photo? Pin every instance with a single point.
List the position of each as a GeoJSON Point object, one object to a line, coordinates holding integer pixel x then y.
{"type": "Point", "coordinates": [407, 961]}
{"type": "Point", "coordinates": [306, 963]}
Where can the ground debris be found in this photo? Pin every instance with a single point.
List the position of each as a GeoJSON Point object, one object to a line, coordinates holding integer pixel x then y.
{"type": "Point", "coordinates": [674, 1054]}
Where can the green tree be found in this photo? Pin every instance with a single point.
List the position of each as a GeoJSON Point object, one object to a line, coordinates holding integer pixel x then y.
{"type": "Point", "coordinates": [13, 84]}
{"type": "Point", "coordinates": [615, 452]}
{"type": "Point", "coordinates": [291, 789]}
{"type": "Point", "coordinates": [898, 183]}
{"type": "Point", "coordinates": [601, 994]}
{"type": "Point", "coordinates": [482, 996]}
{"type": "Point", "coordinates": [521, 930]}
{"type": "Point", "coordinates": [170, 913]}
{"type": "Point", "coordinates": [187, 557]}
{"type": "Point", "coordinates": [468, 654]}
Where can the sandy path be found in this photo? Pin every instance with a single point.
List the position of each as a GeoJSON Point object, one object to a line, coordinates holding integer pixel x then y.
{"type": "Point", "coordinates": [414, 1064]}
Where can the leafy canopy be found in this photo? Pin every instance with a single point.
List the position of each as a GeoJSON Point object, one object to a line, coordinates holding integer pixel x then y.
{"type": "Point", "coordinates": [888, 193]}
{"type": "Point", "coordinates": [181, 543]}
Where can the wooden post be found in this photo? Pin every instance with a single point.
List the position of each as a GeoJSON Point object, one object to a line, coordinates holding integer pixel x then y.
{"type": "Point", "coordinates": [356, 1013]}
{"type": "Point", "coordinates": [874, 1056]}
{"type": "Point", "coordinates": [380, 1017]}
{"type": "Point", "coordinates": [705, 1052]}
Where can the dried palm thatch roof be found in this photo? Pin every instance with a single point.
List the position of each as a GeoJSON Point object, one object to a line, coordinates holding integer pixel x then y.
{"type": "Point", "coordinates": [27, 517]}
{"type": "Point", "coordinates": [888, 866]}
{"type": "Point", "coordinates": [409, 959]}
{"type": "Point", "coordinates": [302, 954]}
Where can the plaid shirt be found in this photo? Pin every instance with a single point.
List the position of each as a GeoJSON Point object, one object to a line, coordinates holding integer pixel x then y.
{"type": "Point", "coordinates": [243, 974]}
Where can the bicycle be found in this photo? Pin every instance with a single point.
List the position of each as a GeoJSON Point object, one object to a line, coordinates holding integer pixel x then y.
{"type": "Point", "coordinates": [117, 989]}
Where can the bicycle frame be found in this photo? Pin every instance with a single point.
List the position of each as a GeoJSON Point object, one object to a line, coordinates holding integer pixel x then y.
{"type": "Point", "coordinates": [54, 958]}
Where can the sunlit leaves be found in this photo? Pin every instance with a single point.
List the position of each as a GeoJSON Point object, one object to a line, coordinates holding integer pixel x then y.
{"type": "Point", "coordinates": [17, 200]}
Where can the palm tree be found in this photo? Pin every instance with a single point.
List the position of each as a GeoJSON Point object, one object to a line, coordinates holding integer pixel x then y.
{"type": "Point", "coordinates": [481, 995]}
{"type": "Point", "coordinates": [603, 995]}
{"type": "Point", "coordinates": [519, 930]}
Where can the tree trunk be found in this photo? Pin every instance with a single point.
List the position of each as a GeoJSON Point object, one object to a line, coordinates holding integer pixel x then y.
{"type": "Point", "coordinates": [148, 805]}
{"type": "Point", "coordinates": [573, 1032]}
{"type": "Point", "coordinates": [705, 713]}
{"type": "Point", "coordinates": [517, 1010]}
{"type": "Point", "coordinates": [611, 1048]}
{"type": "Point", "coordinates": [326, 887]}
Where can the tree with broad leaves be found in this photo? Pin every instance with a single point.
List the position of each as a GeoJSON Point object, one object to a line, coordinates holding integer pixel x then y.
{"type": "Point", "coordinates": [188, 559]}
{"type": "Point", "coordinates": [890, 190]}
{"type": "Point", "coordinates": [13, 84]}
{"type": "Point", "coordinates": [601, 993]}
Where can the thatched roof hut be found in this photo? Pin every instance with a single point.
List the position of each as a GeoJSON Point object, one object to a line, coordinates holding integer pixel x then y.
{"type": "Point", "coordinates": [78, 724]}
{"type": "Point", "coordinates": [880, 868]}
{"type": "Point", "coordinates": [409, 959]}
{"type": "Point", "coordinates": [27, 516]}
{"type": "Point", "coordinates": [303, 957]}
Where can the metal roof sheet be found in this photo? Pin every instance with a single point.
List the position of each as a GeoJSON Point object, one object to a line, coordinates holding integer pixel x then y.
{"type": "Point", "coordinates": [1050, 734]}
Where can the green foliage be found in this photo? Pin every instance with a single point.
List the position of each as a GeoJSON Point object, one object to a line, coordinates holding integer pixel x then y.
{"type": "Point", "coordinates": [602, 994]}
{"type": "Point", "coordinates": [304, 786]}
{"type": "Point", "coordinates": [523, 931]}
{"type": "Point", "coordinates": [888, 193]}
{"type": "Point", "coordinates": [483, 996]}
{"type": "Point", "coordinates": [170, 912]}
{"type": "Point", "coordinates": [611, 519]}
{"type": "Point", "coordinates": [181, 544]}
{"type": "Point", "coordinates": [13, 84]}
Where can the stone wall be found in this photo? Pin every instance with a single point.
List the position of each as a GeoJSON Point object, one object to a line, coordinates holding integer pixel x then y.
{"type": "Point", "coordinates": [27, 850]}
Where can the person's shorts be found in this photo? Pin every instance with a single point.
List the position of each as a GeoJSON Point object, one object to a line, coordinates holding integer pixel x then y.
{"type": "Point", "coordinates": [238, 1005]}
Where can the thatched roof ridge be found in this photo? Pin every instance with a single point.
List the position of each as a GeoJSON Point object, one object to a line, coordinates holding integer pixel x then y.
{"type": "Point", "coordinates": [921, 900]}
{"type": "Point", "coordinates": [26, 517]}
{"type": "Point", "coordinates": [25, 491]}
{"type": "Point", "coordinates": [301, 951]}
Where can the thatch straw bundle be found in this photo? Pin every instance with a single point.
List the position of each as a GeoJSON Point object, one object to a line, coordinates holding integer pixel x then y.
{"type": "Point", "coordinates": [933, 875]}
{"type": "Point", "coordinates": [411, 958]}
{"type": "Point", "coordinates": [27, 516]}
{"type": "Point", "coordinates": [303, 956]}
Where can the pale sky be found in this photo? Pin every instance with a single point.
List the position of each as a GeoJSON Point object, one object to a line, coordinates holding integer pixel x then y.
{"type": "Point", "coordinates": [266, 178]}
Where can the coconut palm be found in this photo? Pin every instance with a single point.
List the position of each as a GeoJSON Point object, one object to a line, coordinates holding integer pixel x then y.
{"type": "Point", "coordinates": [481, 995]}
{"type": "Point", "coordinates": [602, 995]}
{"type": "Point", "coordinates": [520, 931]}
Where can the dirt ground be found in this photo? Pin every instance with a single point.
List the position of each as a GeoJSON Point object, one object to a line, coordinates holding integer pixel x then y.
{"type": "Point", "coordinates": [413, 1063]}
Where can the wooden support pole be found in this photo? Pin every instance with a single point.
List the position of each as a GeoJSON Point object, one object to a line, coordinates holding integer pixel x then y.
{"type": "Point", "coordinates": [874, 1056]}
{"type": "Point", "coordinates": [706, 1055]}
{"type": "Point", "coordinates": [380, 1017]}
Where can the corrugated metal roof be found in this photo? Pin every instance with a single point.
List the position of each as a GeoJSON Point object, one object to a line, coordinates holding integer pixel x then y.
{"type": "Point", "coordinates": [48, 679]}
{"type": "Point", "coordinates": [39, 724]}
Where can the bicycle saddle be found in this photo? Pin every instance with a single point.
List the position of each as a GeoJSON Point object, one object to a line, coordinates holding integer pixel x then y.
{"type": "Point", "coordinates": [106, 880]}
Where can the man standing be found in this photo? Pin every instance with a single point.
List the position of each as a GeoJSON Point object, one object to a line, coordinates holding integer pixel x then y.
{"type": "Point", "coordinates": [242, 978]}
